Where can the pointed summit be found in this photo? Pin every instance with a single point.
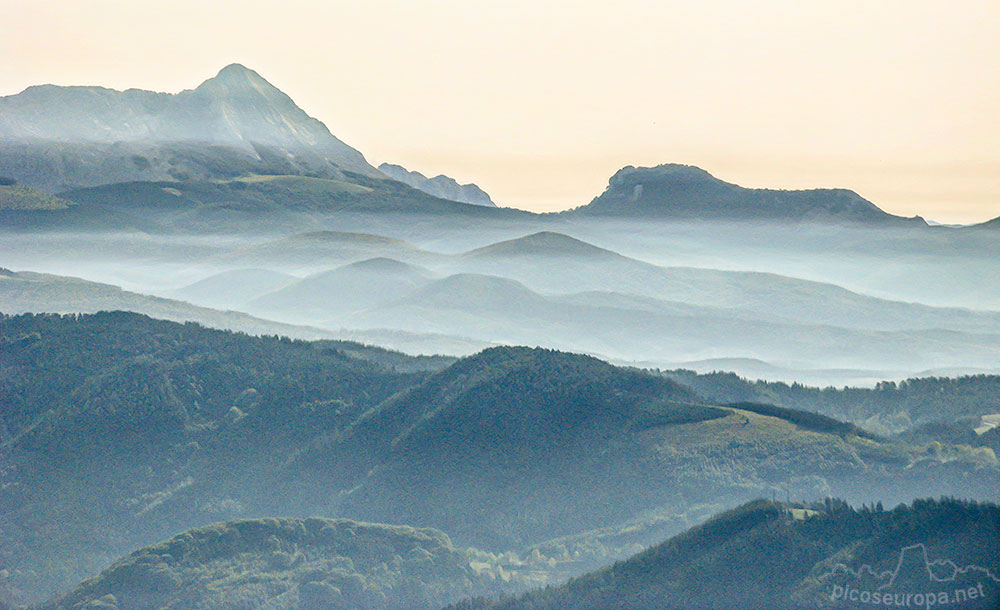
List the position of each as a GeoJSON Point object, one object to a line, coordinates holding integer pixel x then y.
{"type": "Point", "coordinates": [543, 243]}
{"type": "Point", "coordinates": [251, 124]}
{"type": "Point", "coordinates": [235, 72]}
{"type": "Point", "coordinates": [236, 77]}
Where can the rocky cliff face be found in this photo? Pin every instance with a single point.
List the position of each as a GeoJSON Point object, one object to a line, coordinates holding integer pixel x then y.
{"type": "Point", "coordinates": [685, 191]}
{"type": "Point", "coordinates": [439, 186]}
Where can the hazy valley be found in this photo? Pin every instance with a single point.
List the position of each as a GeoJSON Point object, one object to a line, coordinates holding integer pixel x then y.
{"type": "Point", "coordinates": [241, 367]}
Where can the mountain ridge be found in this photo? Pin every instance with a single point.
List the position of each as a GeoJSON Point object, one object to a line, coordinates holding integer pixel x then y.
{"type": "Point", "coordinates": [48, 134]}
{"type": "Point", "coordinates": [236, 123]}
{"type": "Point", "coordinates": [441, 186]}
{"type": "Point", "coordinates": [680, 191]}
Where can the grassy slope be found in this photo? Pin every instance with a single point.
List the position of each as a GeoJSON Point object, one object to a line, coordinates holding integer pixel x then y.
{"type": "Point", "coordinates": [22, 197]}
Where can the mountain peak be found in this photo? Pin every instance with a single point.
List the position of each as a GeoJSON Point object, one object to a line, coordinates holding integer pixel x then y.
{"type": "Point", "coordinates": [238, 76]}
{"type": "Point", "coordinates": [684, 191]}
{"type": "Point", "coordinates": [143, 135]}
{"type": "Point", "coordinates": [382, 264]}
{"type": "Point", "coordinates": [543, 243]}
{"type": "Point", "coordinates": [236, 70]}
{"type": "Point", "coordinates": [677, 171]}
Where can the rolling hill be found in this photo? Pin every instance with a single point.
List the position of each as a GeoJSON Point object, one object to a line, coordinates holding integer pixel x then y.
{"type": "Point", "coordinates": [324, 249]}
{"type": "Point", "coordinates": [120, 431]}
{"type": "Point", "coordinates": [15, 196]}
{"type": "Point", "coordinates": [628, 328]}
{"type": "Point", "coordinates": [571, 438]}
{"type": "Point", "coordinates": [888, 408]}
{"type": "Point", "coordinates": [233, 287]}
{"type": "Point", "coordinates": [292, 564]}
{"type": "Point", "coordinates": [27, 292]}
{"type": "Point", "coordinates": [542, 244]}
{"type": "Point", "coordinates": [556, 263]}
{"type": "Point", "coordinates": [324, 296]}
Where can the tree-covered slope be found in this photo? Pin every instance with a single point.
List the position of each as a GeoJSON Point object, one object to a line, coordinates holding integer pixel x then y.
{"type": "Point", "coordinates": [534, 444]}
{"type": "Point", "coordinates": [117, 430]}
{"type": "Point", "coordinates": [15, 196]}
{"type": "Point", "coordinates": [888, 408]}
{"type": "Point", "coordinates": [291, 564]}
{"type": "Point", "coordinates": [768, 555]}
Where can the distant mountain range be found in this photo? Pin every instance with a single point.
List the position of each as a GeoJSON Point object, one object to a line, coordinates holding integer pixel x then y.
{"type": "Point", "coordinates": [57, 138]}
{"type": "Point", "coordinates": [989, 224]}
{"type": "Point", "coordinates": [22, 292]}
{"type": "Point", "coordinates": [688, 192]}
{"type": "Point", "coordinates": [553, 290]}
{"type": "Point", "coordinates": [439, 186]}
{"type": "Point", "coordinates": [237, 125]}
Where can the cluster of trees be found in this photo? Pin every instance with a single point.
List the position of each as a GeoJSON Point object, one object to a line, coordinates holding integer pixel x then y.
{"type": "Point", "coordinates": [292, 564]}
{"type": "Point", "coordinates": [888, 408]}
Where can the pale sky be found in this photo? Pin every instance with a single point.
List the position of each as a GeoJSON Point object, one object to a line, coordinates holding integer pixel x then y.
{"type": "Point", "coordinates": [540, 102]}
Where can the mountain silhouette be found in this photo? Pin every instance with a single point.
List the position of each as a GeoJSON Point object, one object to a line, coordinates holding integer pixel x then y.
{"type": "Point", "coordinates": [57, 138]}
{"type": "Point", "coordinates": [688, 192]}
{"type": "Point", "coordinates": [441, 186]}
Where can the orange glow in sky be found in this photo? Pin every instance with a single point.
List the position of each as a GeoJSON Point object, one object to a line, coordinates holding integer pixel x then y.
{"type": "Point", "coordinates": [540, 102]}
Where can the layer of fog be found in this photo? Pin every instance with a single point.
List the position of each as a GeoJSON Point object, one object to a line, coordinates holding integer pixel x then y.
{"type": "Point", "coordinates": [644, 309]}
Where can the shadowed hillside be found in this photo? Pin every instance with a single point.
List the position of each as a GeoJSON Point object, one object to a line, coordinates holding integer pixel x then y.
{"type": "Point", "coordinates": [767, 555]}
{"type": "Point", "coordinates": [684, 191]}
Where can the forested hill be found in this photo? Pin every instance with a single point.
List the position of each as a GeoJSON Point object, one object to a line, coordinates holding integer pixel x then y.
{"type": "Point", "coordinates": [765, 555]}
{"type": "Point", "coordinates": [119, 431]}
{"type": "Point", "coordinates": [888, 408]}
{"type": "Point", "coordinates": [81, 355]}
{"type": "Point", "coordinates": [291, 564]}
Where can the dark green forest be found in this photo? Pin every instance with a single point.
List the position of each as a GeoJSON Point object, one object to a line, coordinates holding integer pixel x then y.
{"type": "Point", "coordinates": [119, 431]}
{"type": "Point", "coordinates": [108, 418]}
{"type": "Point", "coordinates": [771, 555]}
{"type": "Point", "coordinates": [888, 408]}
{"type": "Point", "coordinates": [291, 564]}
